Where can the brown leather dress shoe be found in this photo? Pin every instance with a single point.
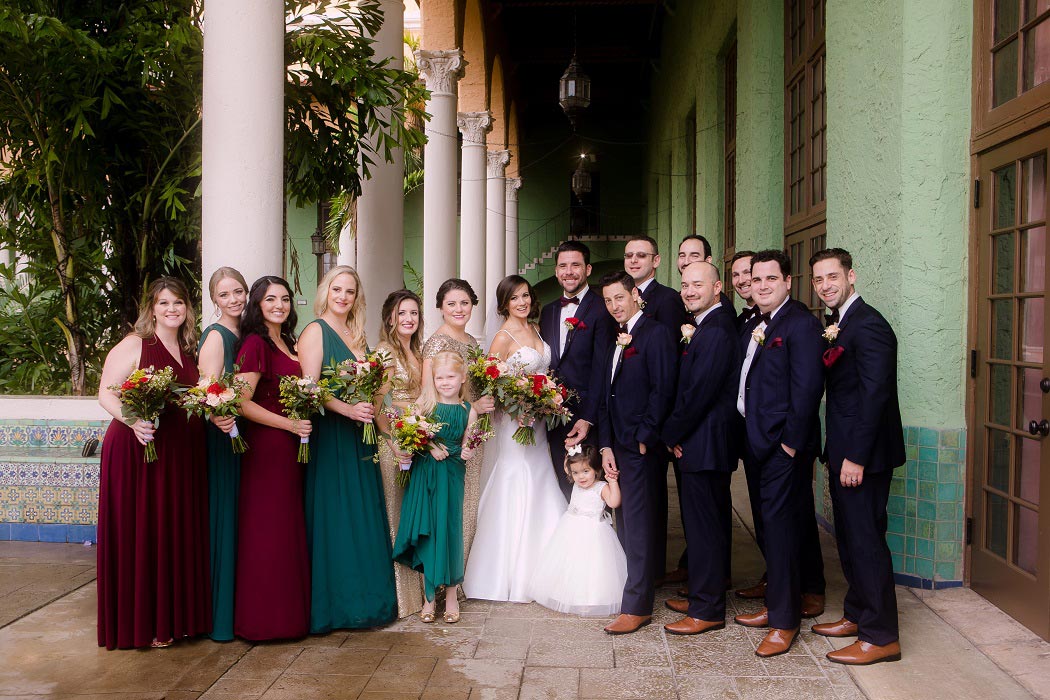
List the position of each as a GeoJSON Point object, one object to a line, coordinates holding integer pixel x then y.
{"type": "Point", "coordinates": [756, 591]}
{"type": "Point", "coordinates": [676, 576]}
{"type": "Point", "coordinates": [862, 654]}
{"type": "Point", "coordinates": [625, 624]}
{"type": "Point", "coordinates": [679, 605]}
{"type": "Point", "coordinates": [842, 628]}
{"type": "Point", "coordinates": [759, 619]}
{"type": "Point", "coordinates": [776, 642]}
{"type": "Point", "coordinates": [692, 625]}
{"type": "Point", "coordinates": [812, 605]}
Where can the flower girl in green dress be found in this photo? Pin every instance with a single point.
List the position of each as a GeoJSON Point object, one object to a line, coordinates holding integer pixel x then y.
{"type": "Point", "coordinates": [430, 534]}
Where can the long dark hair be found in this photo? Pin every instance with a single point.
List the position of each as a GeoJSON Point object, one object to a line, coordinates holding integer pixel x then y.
{"type": "Point", "coordinates": [506, 289]}
{"type": "Point", "coordinates": [253, 322]}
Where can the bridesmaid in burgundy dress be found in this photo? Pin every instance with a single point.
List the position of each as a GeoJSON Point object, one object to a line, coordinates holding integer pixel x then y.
{"type": "Point", "coordinates": [272, 599]}
{"type": "Point", "coordinates": [154, 585]}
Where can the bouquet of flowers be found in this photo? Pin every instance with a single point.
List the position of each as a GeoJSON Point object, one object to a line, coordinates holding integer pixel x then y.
{"type": "Point", "coordinates": [218, 397]}
{"type": "Point", "coordinates": [356, 381]}
{"type": "Point", "coordinates": [413, 433]}
{"type": "Point", "coordinates": [143, 396]}
{"type": "Point", "coordinates": [301, 398]}
{"type": "Point", "coordinates": [477, 434]}
{"type": "Point", "coordinates": [532, 396]}
{"type": "Point", "coordinates": [485, 374]}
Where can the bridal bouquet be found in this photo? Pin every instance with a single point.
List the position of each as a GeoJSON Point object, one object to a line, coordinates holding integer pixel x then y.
{"type": "Point", "coordinates": [218, 397]}
{"type": "Point", "coordinates": [486, 373]}
{"type": "Point", "coordinates": [532, 396]}
{"type": "Point", "coordinates": [411, 432]}
{"type": "Point", "coordinates": [143, 395]}
{"type": "Point", "coordinates": [356, 381]}
{"type": "Point", "coordinates": [301, 398]}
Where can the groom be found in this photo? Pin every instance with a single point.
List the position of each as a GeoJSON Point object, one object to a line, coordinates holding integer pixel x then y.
{"type": "Point", "coordinates": [638, 375]}
{"type": "Point", "coordinates": [578, 329]}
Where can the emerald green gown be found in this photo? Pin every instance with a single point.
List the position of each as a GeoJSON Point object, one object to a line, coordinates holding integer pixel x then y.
{"type": "Point", "coordinates": [224, 481]}
{"type": "Point", "coordinates": [430, 534]}
{"type": "Point", "coordinates": [352, 582]}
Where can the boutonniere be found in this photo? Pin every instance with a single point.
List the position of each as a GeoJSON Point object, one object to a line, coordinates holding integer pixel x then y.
{"type": "Point", "coordinates": [574, 324]}
{"type": "Point", "coordinates": [831, 333]}
{"type": "Point", "coordinates": [624, 339]}
{"type": "Point", "coordinates": [832, 355]}
{"type": "Point", "coordinates": [776, 342]}
{"type": "Point", "coordinates": [687, 332]}
{"type": "Point", "coordinates": [759, 335]}
{"type": "Point", "coordinates": [630, 352]}
{"type": "Point", "coordinates": [641, 304]}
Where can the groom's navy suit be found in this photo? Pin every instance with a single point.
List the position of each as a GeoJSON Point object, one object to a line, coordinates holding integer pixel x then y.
{"type": "Point", "coordinates": [702, 423]}
{"type": "Point", "coordinates": [638, 394]}
{"type": "Point", "coordinates": [577, 365]}
{"type": "Point", "coordinates": [864, 426]}
{"type": "Point", "coordinates": [782, 398]}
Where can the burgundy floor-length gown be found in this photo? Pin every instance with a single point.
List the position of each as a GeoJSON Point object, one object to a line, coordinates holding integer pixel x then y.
{"type": "Point", "coordinates": [272, 599]}
{"type": "Point", "coordinates": [153, 559]}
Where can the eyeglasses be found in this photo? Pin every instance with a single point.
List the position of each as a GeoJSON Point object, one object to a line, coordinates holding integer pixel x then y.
{"type": "Point", "coordinates": [640, 256]}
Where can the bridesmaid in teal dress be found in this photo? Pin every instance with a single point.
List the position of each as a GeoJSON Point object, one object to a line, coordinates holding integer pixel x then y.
{"type": "Point", "coordinates": [346, 523]}
{"type": "Point", "coordinates": [216, 354]}
{"type": "Point", "coordinates": [430, 534]}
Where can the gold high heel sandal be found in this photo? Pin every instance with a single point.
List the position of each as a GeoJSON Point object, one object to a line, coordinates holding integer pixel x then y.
{"type": "Point", "coordinates": [428, 616]}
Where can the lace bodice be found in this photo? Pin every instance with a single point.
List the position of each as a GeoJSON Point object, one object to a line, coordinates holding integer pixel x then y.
{"type": "Point", "coordinates": [528, 359]}
{"type": "Point", "coordinates": [587, 502]}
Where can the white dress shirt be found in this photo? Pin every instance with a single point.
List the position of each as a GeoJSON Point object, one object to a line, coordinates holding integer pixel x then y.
{"type": "Point", "coordinates": [848, 303]}
{"type": "Point", "coordinates": [619, 348]}
{"type": "Point", "coordinates": [704, 314]}
{"type": "Point", "coordinates": [752, 348]}
{"type": "Point", "coordinates": [644, 285]}
{"type": "Point", "coordinates": [568, 311]}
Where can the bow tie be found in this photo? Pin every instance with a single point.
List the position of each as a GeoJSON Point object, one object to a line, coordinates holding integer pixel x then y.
{"type": "Point", "coordinates": [565, 301]}
{"type": "Point", "coordinates": [833, 317]}
{"type": "Point", "coordinates": [623, 327]}
{"type": "Point", "coordinates": [763, 318]}
{"type": "Point", "coordinates": [746, 314]}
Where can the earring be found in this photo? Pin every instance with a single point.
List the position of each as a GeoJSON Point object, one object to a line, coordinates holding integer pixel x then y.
{"type": "Point", "coordinates": [217, 313]}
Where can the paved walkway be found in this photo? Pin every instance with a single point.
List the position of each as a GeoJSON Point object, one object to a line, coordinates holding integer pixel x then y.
{"type": "Point", "coordinates": [503, 650]}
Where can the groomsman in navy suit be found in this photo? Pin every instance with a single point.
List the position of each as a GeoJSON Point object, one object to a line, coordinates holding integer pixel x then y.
{"type": "Point", "coordinates": [639, 378]}
{"type": "Point", "coordinates": [579, 330]}
{"type": "Point", "coordinates": [700, 433]}
{"type": "Point", "coordinates": [740, 269]}
{"type": "Point", "coordinates": [865, 443]}
{"type": "Point", "coordinates": [696, 248]}
{"type": "Point", "coordinates": [779, 391]}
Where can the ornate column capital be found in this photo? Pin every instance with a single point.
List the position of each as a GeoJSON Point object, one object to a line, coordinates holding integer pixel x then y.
{"type": "Point", "coordinates": [497, 163]}
{"type": "Point", "coordinates": [474, 126]}
{"type": "Point", "coordinates": [513, 185]}
{"type": "Point", "coordinates": [441, 69]}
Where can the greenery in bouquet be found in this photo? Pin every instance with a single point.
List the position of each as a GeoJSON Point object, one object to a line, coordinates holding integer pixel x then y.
{"type": "Point", "coordinates": [412, 433]}
{"type": "Point", "coordinates": [529, 397]}
{"type": "Point", "coordinates": [486, 372]}
{"type": "Point", "coordinates": [477, 434]}
{"type": "Point", "coordinates": [356, 381]}
{"type": "Point", "coordinates": [218, 396]}
{"type": "Point", "coordinates": [302, 398]}
{"type": "Point", "coordinates": [143, 396]}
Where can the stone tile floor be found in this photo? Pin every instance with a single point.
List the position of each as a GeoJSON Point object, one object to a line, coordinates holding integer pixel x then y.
{"type": "Point", "coordinates": [502, 651]}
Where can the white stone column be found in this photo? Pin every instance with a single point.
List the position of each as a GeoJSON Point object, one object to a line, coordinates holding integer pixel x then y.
{"type": "Point", "coordinates": [243, 139]}
{"type": "Point", "coordinates": [496, 221]}
{"type": "Point", "coordinates": [473, 175]}
{"type": "Point", "coordinates": [380, 250]}
{"type": "Point", "coordinates": [441, 70]}
{"type": "Point", "coordinates": [511, 208]}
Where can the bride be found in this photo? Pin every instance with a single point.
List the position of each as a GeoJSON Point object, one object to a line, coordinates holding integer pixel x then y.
{"type": "Point", "coordinates": [520, 499]}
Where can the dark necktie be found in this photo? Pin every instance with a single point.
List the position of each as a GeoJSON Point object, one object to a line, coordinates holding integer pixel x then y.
{"type": "Point", "coordinates": [565, 301]}
{"type": "Point", "coordinates": [623, 327]}
{"type": "Point", "coordinates": [833, 317]}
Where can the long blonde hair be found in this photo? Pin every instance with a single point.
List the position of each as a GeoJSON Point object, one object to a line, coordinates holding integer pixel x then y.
{"type": "Point", "coordinates": [146, 324]}
{"type": "Point", "coordinates": [355, 320]}
{"type": "Point", "coordinates": [428, 400]}
{"type": "Point", "coordinates": [223, 273]}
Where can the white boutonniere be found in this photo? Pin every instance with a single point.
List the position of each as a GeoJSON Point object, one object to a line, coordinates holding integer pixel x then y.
{"type": "Point", "coordinates": [624, 339]}
{"type": "Point", "coordinates": [831, 333]}
{"type": "Point", "coordinates": [687, 332]}
{"type": "Point", "coordinates": [759, 335]}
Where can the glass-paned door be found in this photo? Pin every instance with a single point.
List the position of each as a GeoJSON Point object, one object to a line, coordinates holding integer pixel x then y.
{"type": "Point", "coordinates": [1010, 556]}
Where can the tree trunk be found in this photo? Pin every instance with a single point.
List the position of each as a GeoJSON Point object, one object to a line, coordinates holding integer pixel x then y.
{"type": "Point", "coordinates": [76, 343]}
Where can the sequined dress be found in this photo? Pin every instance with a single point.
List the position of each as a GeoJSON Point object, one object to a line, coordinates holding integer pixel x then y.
{"type": "Point", "coordinates": [439, 342]}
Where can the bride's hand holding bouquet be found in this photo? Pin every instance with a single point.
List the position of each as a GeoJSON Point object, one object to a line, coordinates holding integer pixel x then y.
{"type": "Point", "coordinates": [529, 397]}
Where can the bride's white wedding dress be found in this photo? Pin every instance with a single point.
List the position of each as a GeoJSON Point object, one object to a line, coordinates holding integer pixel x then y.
{"type": "Point", "coordinates": [520, 504]}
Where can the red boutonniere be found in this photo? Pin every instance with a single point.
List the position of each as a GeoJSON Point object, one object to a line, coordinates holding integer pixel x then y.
{"type": "Point", "coordinates": [574, 324]}
{"type": "Point", "coordinates": [629, 351]}
{"type": "Point", "coordinates": [776, 342]}
{"type": "Point", "coordinates": [832, 355]}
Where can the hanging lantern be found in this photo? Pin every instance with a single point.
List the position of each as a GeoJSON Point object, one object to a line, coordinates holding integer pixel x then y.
{"type": "Point", "coordinates": [581, 180]}
{"type": "Point", "coordinates": [574, 91]}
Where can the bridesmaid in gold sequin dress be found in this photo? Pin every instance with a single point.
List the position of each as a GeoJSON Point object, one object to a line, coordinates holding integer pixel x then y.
{"type": "Point", "coordinates": [456, 301]}
{"type": "Point", "coordinates": [402, 337]}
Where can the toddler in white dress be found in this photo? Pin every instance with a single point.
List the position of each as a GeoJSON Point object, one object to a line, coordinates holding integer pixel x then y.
{"type": "Point", "coordinates": [583, 567]}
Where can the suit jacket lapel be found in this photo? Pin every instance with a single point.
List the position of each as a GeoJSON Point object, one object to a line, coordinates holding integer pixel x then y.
{"type": "Point", "coordinates": [623, 352]}
{"type": "Point", "coordinates": [770, 327]}
{"type": "Point", "coordinates": [553, 332]}
{"type": "Point", "coordinates": [849, 312]}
